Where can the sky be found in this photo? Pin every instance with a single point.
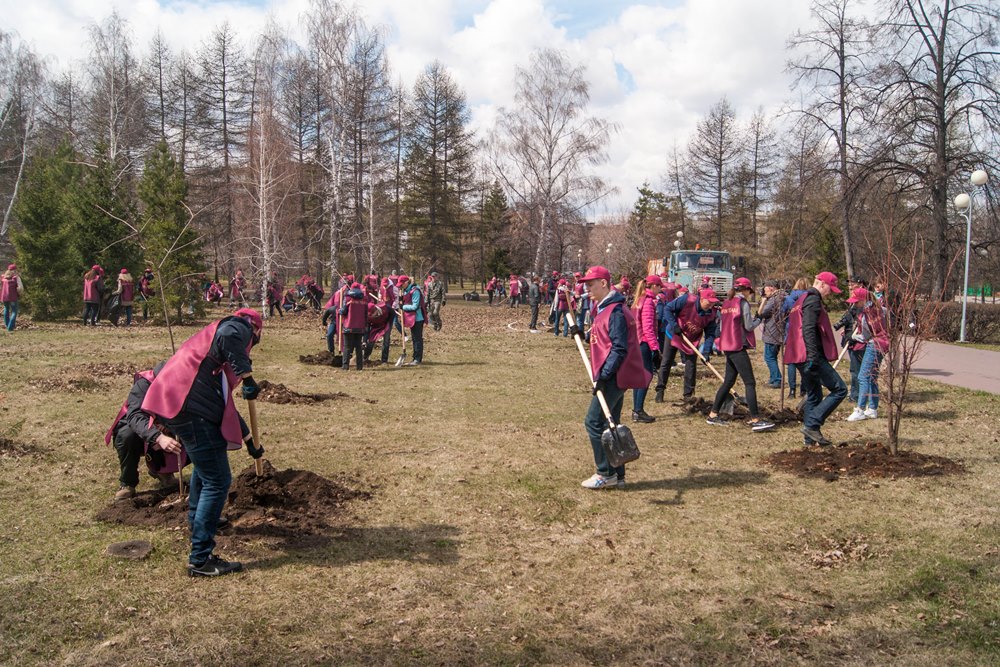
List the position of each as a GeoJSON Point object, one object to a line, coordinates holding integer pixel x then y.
{"type": "Point", "coordinates": [654, 68]}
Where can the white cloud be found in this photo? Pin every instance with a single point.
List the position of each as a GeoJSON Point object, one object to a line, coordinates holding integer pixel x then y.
{"type": "Point", "coordinates": [654, 69]}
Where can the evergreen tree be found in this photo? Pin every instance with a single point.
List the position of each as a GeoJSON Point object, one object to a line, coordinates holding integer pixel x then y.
{"type": "Point", "coordinates": [169, 241]}
{"type": "Point", "coordinates": [46, 255]}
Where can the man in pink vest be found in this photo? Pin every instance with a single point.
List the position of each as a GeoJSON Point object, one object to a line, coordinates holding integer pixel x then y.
{"type": "Point", "coordinates": [354, 320]}
{"type": "Point", "coordinates": [692, 316]}
{"type": "Point", "coordinates": [811, 346]}
{"type": "Point", "coordinates": [191, 396]}
{"type": "Point", "coordinates": [515, 290]}
{"type": "Point", "coordinates": [617, 365]}
{"type": "Point", "coordinates": [11, 289]}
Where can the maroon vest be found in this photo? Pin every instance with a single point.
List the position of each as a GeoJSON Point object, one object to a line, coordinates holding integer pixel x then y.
{"type": "Point", "coordinates": [169, 462]}
{"type": "Point", "coordinates": [631, 374]}
{"type": "Point", "coordinates": [90, 293]}
{"type": "Point", "coordinates": [795, 345]}
{"type": "Point", "coordinates": [515, 288]}
{"type": "Point", "coordinates": [692, 323]}
{"type": "Point", "coordinates": [410, 316]}
{"type": "Point", "coordinates": [356, 319]}
{"type": "Point", "coordinates": [166, 395]}
{"type": "Point", "coordinates": [128, 291]}
{"type": "Point", "coordinates": [734, 337]}
{"type": "Point", "coordinates": [8, 290]}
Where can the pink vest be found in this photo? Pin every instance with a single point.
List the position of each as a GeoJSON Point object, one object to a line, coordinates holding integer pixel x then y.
{"type": "Point", "coordinates": [410, 316]}
{"type": "Point", "coordinates": [128, 291]}
{"type": "Point", "coordinates": [795, 345]}
{"type": "Point", "coordinates": [515, 287]}
{"type": "Point", "coordinates": [356, 320]}
{"type": "Point", "coordinates": [692, 323]}
{"type": "Point", "coordinates": [8, 290]}
{"type": "Point", "coordinates": [170, 462]}
{"type": "Point", "coordinates": [733, 335]}
{"type": "Point", "coordinates": [90, 293]}
{"type": "Point", "coordinates": [166, 395]}
{"type": "Point", "coordinates": [875, 319]}
{"type": "Point", "coordinates": [631, 374]}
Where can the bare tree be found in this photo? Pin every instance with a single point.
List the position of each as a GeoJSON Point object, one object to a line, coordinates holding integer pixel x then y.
{"type": "Point", "coordinates": [761, 158]}
{"type": "Point", "coordinates": [677, 184]}
{"type": "Point", "coordinates": [21, 82]}
{"type": "Point", "coordinates": [541, 147]}
{"type": "Point", "coordinates": [712, 155]}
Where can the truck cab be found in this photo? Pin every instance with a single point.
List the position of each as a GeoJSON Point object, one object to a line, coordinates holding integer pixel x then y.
{"type": "Point", "coordinates": [691, 267]}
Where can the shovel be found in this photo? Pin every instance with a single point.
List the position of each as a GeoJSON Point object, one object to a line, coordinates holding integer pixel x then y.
{"type": "Point", "coordinates": [728, 405]}
{"type": "Point", "coordinates": [402, 329]}
{"type": "Point", "coordinates": [802, 401]}
{"type": "Point", "coordinates": [258, 464]}
{"type": "Point", "coordinates": [617, 440]}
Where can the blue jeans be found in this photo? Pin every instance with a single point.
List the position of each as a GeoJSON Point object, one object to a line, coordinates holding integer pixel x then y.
{"type": "Point", "coordinates": [10, 314]}
{"type": "Point", "coordinates": [855, 359]}
{"type": "Point", "coordinates": [708, 346]}
{"type": "Point", "coordinates": [417, 336]}
{"type": "Point", "coordinates": [128, 315]}
{"type": "Point", "coordinates": [790, 371]}
{"type": "Point", "coordinates": [561, 316]}
{"type": "Point", "coordinates": [771, 359]}
{"type": "Point", "coordinates": [868, 377]}
{"type": "Point", "coordinates": [817, 408]}
{"type": "Point", "coordinates": [331, 330]}
{"type": "Point", "coordinates": [210, 480]}
{"type": "Point", "coordinates": [90, 312]}
{"type": "Point", "coordinates": [596, 423]}
{"type": "Point", "coordinates": [639, 395]}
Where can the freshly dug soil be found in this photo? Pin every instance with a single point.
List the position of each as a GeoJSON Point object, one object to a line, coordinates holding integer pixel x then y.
{"type": "Point", "coordinates": [294, 506]}
{"type": "Point", "coordinates": [698, 405]}
{"type": "Point", "coordinates": [14, 449]}
{"type": "Point", "coordinates": [869, 460]}
{"type": "Point", "coordinates": [324, 358]}
{"type": "Point", "coordinates": [275, 392]}
{"type": "Point", "coordinates": [89, 378]}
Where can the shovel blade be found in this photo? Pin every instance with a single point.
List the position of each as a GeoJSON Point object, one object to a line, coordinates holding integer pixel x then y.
{"type": "Point", "coordinates": [402, 358]}
{"type": "Point", "coordinates": [337, 361]}
{"type": "Point", "coordinates": [619, 445]}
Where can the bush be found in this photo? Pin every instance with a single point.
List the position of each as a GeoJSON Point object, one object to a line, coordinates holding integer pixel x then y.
{"type": "Point", "coordinates": [982, 323]}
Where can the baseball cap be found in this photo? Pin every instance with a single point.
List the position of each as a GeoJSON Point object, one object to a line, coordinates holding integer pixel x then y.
{"type": "Point", "coordinates": [742, 283]}
{"type": "Point", "coordinates": [11, 267]}
{"type": "Point", "coordinates": [770, 282]}
{"type": "Point", "coordinates": [402, 280]}
{"type": "Point", "coordinates": [123, 271]}
{"type": "Point", "coordinates": [708, 294]}
{"type": "Point", "coordinates": [596, 273]}
{"type": "Point", "coordinates": [859, 295]}
{"type": "Point", "coordinates": [830, 279]}
{"type": "Point", "coordinates": [654, 280]}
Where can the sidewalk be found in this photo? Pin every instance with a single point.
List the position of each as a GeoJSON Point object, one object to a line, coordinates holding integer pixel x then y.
{"type": "Point", "coordinates": [961, 366]}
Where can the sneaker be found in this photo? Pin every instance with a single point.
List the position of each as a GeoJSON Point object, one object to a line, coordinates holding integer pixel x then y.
{"type": "Point", "coordinates": [413, 363]}
{"type": "Point", "coordinates": [659, 396]}
{"type": "Point", "coordinates": [214, 567]}
{"type": "Point", "coordinates": [642, 417]}
{"type": "Point", "coordinates": [808, 442]}
{"type": "Point", "coordinates": [124, 493]}
{"type": "Point", "coordinates": [871, 413]}
{"type": "Point", "coordinates": [532, 330]}
{"type": "Point", "coordinates": [857, 415]}
{"type": "Point", "coordinates": [791, 392]}
{"type": "Point", "coordinates": [774, 385]}
{"type": "Point", "coordinates": [620, 484]}
{"type": "Point", "coordinates": [815, 435]}
{"type": "Point", "coordinates": [599, 481]}
{"type": "Point", "coordinates": [716, 421]}
{"type": "Point", "coordinates": [761, 425]}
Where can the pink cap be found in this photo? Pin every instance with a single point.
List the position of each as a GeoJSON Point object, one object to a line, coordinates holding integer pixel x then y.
{"type": "Point", "coordinates": [708, 294]}
{"type": "Point", "coordinates": [97, 267]}
{"type": "Point", "coordinates": [596, 273]}
{"type": "Point", "coordinates": [11, 267]}
{"type": "Point", "coordinates": [743, 282]}
{"type": "Point", "coordinates": [562, 281]}
{"type": "Point", "coordinates": [577, 274]}
{"type": "Point", "coordinates": [859, 295]}
{"type": "Point", "coordinates": [830, 279]}
{"type": "Point", "coordinates": [402, 280]}
{"type": "Point", "coordinates": [256, 321]}
{"type": "Point", "coordinates": [654, 280]}
{"type": "Point", "coordinates": [355, 285]}
{"type": "Point", "coordinates": [123, 271]}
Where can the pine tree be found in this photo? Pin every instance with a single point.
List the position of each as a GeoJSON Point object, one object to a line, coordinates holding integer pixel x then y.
{"type": "Point", "coordinates": [170, 243]}
{"type": "Point", "coordinates": [43, 238]}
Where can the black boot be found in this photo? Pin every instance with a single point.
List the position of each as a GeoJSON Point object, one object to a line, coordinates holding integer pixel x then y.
{"type": "Point", "coordinates": [659, 396]}
{"type": "Point", "coordinates": [642, 417]}
{"type": "Point", "coordinates": [791, 393]}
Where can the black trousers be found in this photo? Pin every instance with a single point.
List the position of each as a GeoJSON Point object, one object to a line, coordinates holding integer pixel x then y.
{"type": "Point", "coordinates": [131, 449]}
{"type": "Point", "coordinates": [690, 369]}
{"type": "Point", "coordinates": [738, 364]}
{"type": "Point", "coordinates": [354, 345]}
{"type": "Point", "coordinates": [534, 317]}
{"type": "Point", "coordinates": [417, 334]}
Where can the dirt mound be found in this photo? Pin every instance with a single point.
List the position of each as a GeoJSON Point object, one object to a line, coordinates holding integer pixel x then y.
{"type": "Point", "coordinates": [16, 450]}
{"type": "Point", "coordinates": [275, 392]}
{"type": "Point", "coordinates": [88, 378]}
{"type": "Point", "coordinates": [112, 371]}
{"type": "Point", "coordinates": [292, 505]}
{"type": "Point", "coordinates": [869, 460]}
{"type": "Point", "coordinates": [321, 359]}
{"type": "Point", "coordinates": [698, 405]}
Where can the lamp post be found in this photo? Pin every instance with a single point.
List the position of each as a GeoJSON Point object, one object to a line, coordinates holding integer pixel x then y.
{"type": "Point", "coordinates": [607, 255]}
{"type": "Point", "coordinates": [579, 259]}
{"type": "Point", "coordinates": [963, 203]}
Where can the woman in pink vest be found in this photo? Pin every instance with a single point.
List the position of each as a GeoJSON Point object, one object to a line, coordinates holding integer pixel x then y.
{"type": "Point", "coordinates": [617, 365]}
{"type": "Point", "coordinates": [11, 289]}
{"type": "Point", "coordinates": [736, 322]}
{"type": "Point", "coordinates": [561, 306]}
{"type": "Point", "coordinates": [354, 320]}
{"type": "Point", "coordinates": [126, 290]}
{"type": "Point", "coordinates": [810, 345]}
{"type": "Point", "coordinates": [93, 291]}
{"type": "Point", "coordinates": [491, 286]}
{"type": "Point", "coordinates": [871, 337]}
{"type": "Point", "coordinates": [644, 306]}
{"type": "Point", "coordinates": [515, 290]}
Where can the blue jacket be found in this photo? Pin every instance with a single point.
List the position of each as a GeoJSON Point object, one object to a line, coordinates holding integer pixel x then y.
{"type": "Point", "coordinates": [617, 332]}
{"type": "Point", "coordinates": [672, 309]}
{"type": "Point", "coordinates": [414, 304]}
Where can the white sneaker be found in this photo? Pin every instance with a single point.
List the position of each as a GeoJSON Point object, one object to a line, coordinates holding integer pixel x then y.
{"type": "Point", "coordinates": [599, 481]}
{"type": "Point", "coordinates": [857, 415]}
{"type": "Point", "coordinates": [871, 413]}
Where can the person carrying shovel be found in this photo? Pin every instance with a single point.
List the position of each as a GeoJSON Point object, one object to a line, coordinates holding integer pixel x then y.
{"type": "Point", "coordinates": [616, 365]}
{"type": "Point", "coordinates": [691, 315]}
{"type": "Point", "coordinates": [737, 324]}
{"type": "Point", "coordinates": [191, 397]}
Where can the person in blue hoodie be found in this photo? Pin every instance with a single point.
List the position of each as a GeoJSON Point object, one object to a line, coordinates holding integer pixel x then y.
{"type": "Point", "coordinates": [693, 315]}
{"type": "Point", "coordinates": [800, 287]}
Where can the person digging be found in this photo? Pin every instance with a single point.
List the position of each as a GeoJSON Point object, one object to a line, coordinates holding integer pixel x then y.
{"type": "Point", "coordinates": [616, 364]}
{"type": "Point", "coordinates": [191, 396]}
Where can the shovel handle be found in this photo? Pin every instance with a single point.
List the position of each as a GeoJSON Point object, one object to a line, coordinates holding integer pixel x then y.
{"type": "Point", "coordinates": [840, 356]}
{"type": "Point", "coordinates": [578, 339]}
{"type": "Point", "coordinates": [706, 362]}
{"type": "Point", "coordinates": [255, 434]}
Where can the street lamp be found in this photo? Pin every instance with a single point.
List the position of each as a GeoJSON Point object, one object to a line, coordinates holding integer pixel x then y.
{"type": "Point", "coordinates": [579, 259]}
{"type": "Point", "coordinates": [963, 203]}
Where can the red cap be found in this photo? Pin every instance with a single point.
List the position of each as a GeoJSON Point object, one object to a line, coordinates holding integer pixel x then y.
{"type": "Point", "coordinates": [355, 285]}
{"type": "Point", "coordinates": [256, 321]}
{"type": "Point", "coordinates": [742, 282]}
{"type": "Point", "coordinates": [562, 281]}
{"type": "Point", "coordinates": [830, 279]}
{"type": "Point", "coordinates": [555, 273]}
{"type": "Point", "coordinates": [11, 267]}
{"type": "Point", "coordinates": [596, 273]}
{"type": "Point", "coordinates": [402, 280]}
{"type": "Point", "coordinates": [385, 281]}
{"type": "Point", "coordinates": [577, 274]}
{"type": "Point", "coordinates": [97, 267]}
{"type": "Point", "coordinates": [859, 295]}
{"type": "Point", "coordinates": [123, 271]}
{"type": "Point", "coordinates": [709, 294]}
{"type": "Point", "coordinates": [654, 280]}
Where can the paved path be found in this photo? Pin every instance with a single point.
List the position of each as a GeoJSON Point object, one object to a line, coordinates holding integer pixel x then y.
{"type": "Point", "coordinates": [967, 367]}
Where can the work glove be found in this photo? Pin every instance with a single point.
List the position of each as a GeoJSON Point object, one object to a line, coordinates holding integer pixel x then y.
{"type": "Point", "coordinates": [598, 386]}
{"type": "Point", "coordinates": [250, 389]}
{"type": "Point", "coordinates": [574, 331]}
{"type": "Point", "coordinates": [657, 358]}
{"type": "Point", "coordinates": [253, 450]}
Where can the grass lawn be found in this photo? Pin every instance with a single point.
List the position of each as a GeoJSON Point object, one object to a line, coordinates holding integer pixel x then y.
{"type": "Point", "coordinates": [478, 545]}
